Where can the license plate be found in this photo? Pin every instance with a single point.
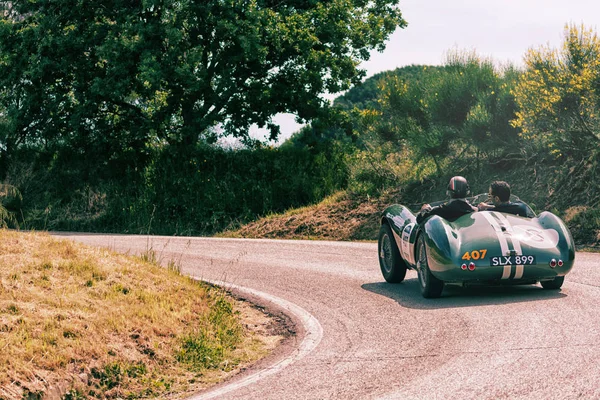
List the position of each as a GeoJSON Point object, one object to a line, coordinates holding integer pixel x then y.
{"type": "Point", "coordinates": [512, 260]}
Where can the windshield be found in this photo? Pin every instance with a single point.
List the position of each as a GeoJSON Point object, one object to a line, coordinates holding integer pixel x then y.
{"type": "Point", "coordinates": [482, 198]}
{"type": "Point", "coordinates": [485, 198]}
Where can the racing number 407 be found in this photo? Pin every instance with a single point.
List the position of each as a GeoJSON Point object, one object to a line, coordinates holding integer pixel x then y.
{"type": "Point", "coordinates": [475, 255]}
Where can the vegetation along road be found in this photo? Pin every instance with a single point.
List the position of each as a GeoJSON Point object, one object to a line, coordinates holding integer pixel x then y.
{"type": "Point", "coordinates": [370, 339]}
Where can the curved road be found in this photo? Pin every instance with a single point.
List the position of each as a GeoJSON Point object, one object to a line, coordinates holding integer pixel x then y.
{"type": "Point", "coordinates": [385, 341]}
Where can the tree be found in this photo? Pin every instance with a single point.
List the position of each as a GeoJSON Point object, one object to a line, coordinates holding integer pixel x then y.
{"type": "Point", "coordinates": [8, 193]}
{"type": "Point", "coordinates": [559, 95]}
{"type": "Point", "coordinates": [122, 72]}
{"type": "Point", "coordinates": [459, 109]}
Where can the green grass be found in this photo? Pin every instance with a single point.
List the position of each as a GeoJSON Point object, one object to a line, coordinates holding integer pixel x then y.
{"type": "Point", "coordinates": [78, 322]}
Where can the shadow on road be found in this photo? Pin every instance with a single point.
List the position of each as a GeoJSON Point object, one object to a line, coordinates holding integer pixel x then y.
{"type": "Point", "coordinates": [407, 294]}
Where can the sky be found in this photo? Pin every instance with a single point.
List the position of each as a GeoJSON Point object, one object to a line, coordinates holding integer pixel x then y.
{"type": "Point", "coordinates": [500, 29]}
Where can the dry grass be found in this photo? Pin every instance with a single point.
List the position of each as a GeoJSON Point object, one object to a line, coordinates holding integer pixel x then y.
{"type": "Point", "coordinates": [80, 322]}
{"type": "Point", "coordinates": [338, 217]}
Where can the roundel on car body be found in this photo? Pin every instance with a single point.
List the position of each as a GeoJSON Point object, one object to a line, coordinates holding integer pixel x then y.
{"type": "Point", "coordinates": [536, 237]}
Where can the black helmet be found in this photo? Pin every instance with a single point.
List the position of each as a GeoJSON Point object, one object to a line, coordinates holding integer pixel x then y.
{"type": "Point", "coordinates": [458, 187]}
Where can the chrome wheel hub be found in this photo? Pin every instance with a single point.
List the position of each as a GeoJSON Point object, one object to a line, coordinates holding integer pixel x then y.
{"type": "Point", "coordinates": [386, 253]}
{"type": "Point", "coordinates": [421, 266]}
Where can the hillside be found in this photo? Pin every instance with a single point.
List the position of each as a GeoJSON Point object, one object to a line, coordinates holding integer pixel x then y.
{"type": "Point", "coordinates": [347, 216]}
{"type": "Point", "coordinates": [338, 217]}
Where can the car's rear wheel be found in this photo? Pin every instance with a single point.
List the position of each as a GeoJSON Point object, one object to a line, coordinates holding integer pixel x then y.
{"type": "Point", "coordinates": [392, 266]}
{"type": "Point", "coordinates": [555, 283]}
{"type": "Point", "coordinates": [431, 287]}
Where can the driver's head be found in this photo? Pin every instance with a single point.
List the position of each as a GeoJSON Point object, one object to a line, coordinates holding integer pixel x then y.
{"type": "Point", "coordinates": [458, 187]}
{"type": "Point", "coordinates": [501, 190]}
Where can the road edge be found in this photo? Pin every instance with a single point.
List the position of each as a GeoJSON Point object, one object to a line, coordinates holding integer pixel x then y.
{"type": "Point", "coordinates": [308, 332]}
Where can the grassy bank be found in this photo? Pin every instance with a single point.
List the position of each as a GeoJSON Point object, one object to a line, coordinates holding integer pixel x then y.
{"type": "Point", "coordinates": [342, 216]}
{"type": "Point", "coordinates": [79, 322]}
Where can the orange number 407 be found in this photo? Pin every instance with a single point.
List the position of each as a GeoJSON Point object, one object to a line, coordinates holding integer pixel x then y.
{"type": "Point", "coordinates": [475, 255]}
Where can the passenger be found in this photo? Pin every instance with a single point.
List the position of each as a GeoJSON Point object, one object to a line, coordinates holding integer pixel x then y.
{"type": "Point", "coordinates": [458, 189]}
{"type": "Point", "coordinates": [499, 193]}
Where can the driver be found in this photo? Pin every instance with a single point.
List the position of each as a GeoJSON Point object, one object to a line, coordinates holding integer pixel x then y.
{"type": "Point", "coordinates": [458, 189]}
{"type": "Point", "coordinates": [500, 201]}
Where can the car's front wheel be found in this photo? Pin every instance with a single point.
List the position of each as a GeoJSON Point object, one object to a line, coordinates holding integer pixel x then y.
{"type": "Point", "coordinates": [431, 287]}
{"type": "Point", "coordinates": [392, 266]}
{"type": "Point", "coordinates": [555, 283]}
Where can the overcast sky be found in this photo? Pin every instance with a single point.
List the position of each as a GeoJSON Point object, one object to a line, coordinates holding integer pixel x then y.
{"type": "Point", "coordinates": [500, 29]}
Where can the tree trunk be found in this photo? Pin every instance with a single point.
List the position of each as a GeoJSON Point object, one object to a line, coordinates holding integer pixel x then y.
{"type": "Point", "coordinates": [189, 136]}
{"type": "Point", "coordinates": [437, 165]}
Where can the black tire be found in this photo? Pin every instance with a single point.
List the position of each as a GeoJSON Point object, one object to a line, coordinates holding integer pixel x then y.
{"type": "Point", "coordinates": [431, 287]}
{"type": "Point", "coordinates": [554, 284]}
{"type": "Point", "coordinates": [391, 263]}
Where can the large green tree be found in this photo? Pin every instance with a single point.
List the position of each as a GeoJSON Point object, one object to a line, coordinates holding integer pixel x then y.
{"type": "Point", "coordinates": [559, 112]}
{"type": "Point", "coordinates": [461, 109]}
{"type": "Point", "coordinates": [121, 73]}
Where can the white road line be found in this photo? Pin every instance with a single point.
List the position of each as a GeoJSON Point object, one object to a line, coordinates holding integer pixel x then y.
{"type": "Point", "coordinates": [312, 327]}
{"type": "Point", "coordinates": [501, 240]}
{"type": "Point", "coordinates": [520, 269]}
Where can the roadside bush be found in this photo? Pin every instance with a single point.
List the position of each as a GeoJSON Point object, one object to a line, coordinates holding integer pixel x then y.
{"type": "Point", "coordinates": [212, 187]}
{"type": "Point", "coordinates": [584, 223]}
{"type": "Point", "coordinates": [200, 191]}
{"type": "Point", "coordinates": [382, 167]}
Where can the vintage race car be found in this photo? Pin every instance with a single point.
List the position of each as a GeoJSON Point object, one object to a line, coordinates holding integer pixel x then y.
{"type": "Point", "coordinates": [484, 247]}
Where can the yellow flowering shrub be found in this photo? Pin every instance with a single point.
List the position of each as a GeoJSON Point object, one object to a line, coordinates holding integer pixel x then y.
{"type": "Point", "coordinates": [557, 95]}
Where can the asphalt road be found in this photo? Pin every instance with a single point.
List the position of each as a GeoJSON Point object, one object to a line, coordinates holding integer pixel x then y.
{"type": "Point", "coordinates": [371, 339]}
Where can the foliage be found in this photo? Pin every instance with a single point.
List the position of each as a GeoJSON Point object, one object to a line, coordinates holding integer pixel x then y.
{"type": "Point", "coordinates": [382, 166]}
{"type": "Point", "coordinates": [337, 127]}
{"type": "Point", "coordinates": [365, 94]}
{"type": "Point", "coordinates": [584, 223]}
{"type": "Point", "coordinates": [559, 114]}
{"type": "Point", "coordinates": [109, 78]}
{"type": "Point", "coordinates": [8, 194]}
{"type": "Point", "coordinates": [558, 96]}
{"type": "Point", "coordinates": [200, 192]}
{"type": "Point", "coordinates": [435, 116]}
{"type": "Point", "coordinates": [215, 188]}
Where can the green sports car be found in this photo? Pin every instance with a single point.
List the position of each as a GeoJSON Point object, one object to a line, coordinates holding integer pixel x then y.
{"type": "Point", "coordinates": [484, 247]}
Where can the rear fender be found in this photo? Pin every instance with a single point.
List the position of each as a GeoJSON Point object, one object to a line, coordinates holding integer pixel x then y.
{"type": "Point", "coordinates": [565, 245]}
